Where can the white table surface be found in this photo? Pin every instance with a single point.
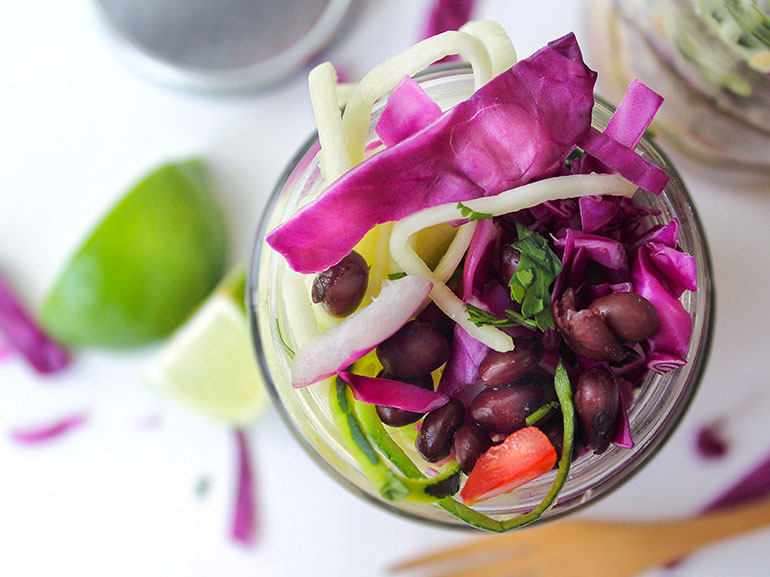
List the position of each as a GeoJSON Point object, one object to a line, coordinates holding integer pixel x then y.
{"type": "Point", "coordinates": [117, 497]}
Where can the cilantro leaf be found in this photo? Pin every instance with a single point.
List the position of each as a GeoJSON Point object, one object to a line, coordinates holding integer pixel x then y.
{"type": "Point", "coordinates": [482, 318]}
{"type": "Point", "coordinates": [530, 285]}
{"type": "Point", "coordinates": [472, 214]}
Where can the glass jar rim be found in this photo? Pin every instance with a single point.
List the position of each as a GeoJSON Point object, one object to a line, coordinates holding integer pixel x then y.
{"type": "Point", "coordinates": [662, 432]}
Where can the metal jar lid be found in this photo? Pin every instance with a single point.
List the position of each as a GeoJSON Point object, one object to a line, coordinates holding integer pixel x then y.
{"type": "Point", "coordinates": [221, 45]}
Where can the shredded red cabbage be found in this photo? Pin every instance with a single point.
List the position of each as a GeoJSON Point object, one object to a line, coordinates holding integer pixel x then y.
{"type": "Point", "coordinates": [43, 433]}
{"type": "Point", "coordinates": [596, 212]}
{"type": "Point", "coordinates": [676, 268]}
{"type": "Point", "coordinates": [479, 257]}
{"type": "Point", "coordinates": [409, 109]}
{"type": "Point", "coordinates": [244, 527]}
{"type": "Point", "coordinates": [462, 368]}
{"type": "Point", "coordinates": [622, 436]}
{"type": "Point", "coordinates": [600, 249]}
{"type": "Point", "coordinates": [503, 136]}
{"type": "Point", "coordinates": [23, 333]}
{"type": "Point", "coordinates": [674, 322]}
{"type": "Point", "coordinates": [397, 394]}
{"type": "Point", "coordinates": [625, 161]}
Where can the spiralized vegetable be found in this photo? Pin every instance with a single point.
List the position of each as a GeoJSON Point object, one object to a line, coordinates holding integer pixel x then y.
{"type": "Point", "coordinates": [322, 83]}
{"type": "Point", "coordinates": [497, 42]}
{"type": "Point", "coordinates": [526, 196]}
{"type": "Point", "coordinates": [386, 76]}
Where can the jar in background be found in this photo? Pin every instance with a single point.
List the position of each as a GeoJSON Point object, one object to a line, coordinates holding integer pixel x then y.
{"type": "Point", "coordinates": [278, 297]}
{"type": "Point", "coordinates": [709, 59]}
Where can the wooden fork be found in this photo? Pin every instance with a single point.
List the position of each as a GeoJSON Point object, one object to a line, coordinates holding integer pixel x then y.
{"type": "Point", "coordinates": [588, 549]}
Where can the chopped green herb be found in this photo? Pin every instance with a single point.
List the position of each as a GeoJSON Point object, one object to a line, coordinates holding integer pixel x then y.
{"type": "Point", "coordinates": [541, 412]}
{"type": "Point", "coordinates": [574, 156]}
{"type": "Point", "coordinates": [482, 318]}
{"type": "Point", "coordinates": [286, 347]}
{"type": "Point", "coordinates": [396, 275]}
{"type": "Point", "coordinates": [538, 268]}
{"type": "Point", "coordinates": [472, 214]}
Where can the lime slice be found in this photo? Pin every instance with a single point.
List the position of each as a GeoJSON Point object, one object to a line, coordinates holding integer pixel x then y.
{"type": "Point", "coordinates": [209, 365]}
{"type": "Point", "coordinates": [152, 259]}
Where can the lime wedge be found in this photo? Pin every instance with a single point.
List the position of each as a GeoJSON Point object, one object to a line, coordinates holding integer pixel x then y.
{"type": "Point", "coordinates": [152, 259]}
{"type": "Point", "coordinates": [208, 364]}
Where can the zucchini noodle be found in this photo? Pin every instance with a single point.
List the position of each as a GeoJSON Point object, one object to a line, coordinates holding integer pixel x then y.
{"type": "Point", "coordinates": [322, 83]}
{"type": "Point", "coordinates": [385, 77]}
{"type": "Point", "coordinates": [494, 38]}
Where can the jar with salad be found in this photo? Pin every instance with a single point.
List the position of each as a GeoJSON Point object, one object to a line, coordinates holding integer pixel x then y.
{"type": "Point", "coordinates": [710, 60]}
{"type": "Point", "coordinates": [480, 297]}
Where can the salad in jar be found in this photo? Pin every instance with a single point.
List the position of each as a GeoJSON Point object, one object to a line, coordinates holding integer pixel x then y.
{"type": "Point", "coordinates": [481, 296]}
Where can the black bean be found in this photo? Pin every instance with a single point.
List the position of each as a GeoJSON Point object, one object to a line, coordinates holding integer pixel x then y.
{"type": "Point", "coordinates": [586, 332]}
{"type": "Point", "coordinates": [438, 319]}
{"type": "Point", "coordinates": [596, 404]}
{"type": "Point", "coordinates": [471, 441]}
{"type": "Point", "coordinates": [500, 369]}
{"type": "Point", "coordinates": [342, 286]}
{"type": "Point", "coordinates": [401, 417]}
{"type": "Point", "coordinates": [630, 316]}
{"type": "Point", "coordinates": [506, 410]}
{"type": "Point", "coordinates": [509, 262]}
{"type": "Point", "coordinates": [436, 436]}
{"type": "Point", "coordinates": [415, 350]}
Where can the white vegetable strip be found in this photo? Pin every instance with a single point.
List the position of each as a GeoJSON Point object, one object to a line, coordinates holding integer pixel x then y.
{"type": "Point", "coordinates": [385, 77]}
{"type": "Point", "coordinates": [454, 254]}
{"type": "Point", "coordinates": [509, 201]}
{"type": "Point", "coordinates": [344, 90]}
{"type": "Point", "coordinates": [300, 317]}
{"type": "Point", "coordinates": [333, 350]}
{"type": "Point", "coordinates": [322, 83]}
{"type": "Point", "coordinates": [494, 38]}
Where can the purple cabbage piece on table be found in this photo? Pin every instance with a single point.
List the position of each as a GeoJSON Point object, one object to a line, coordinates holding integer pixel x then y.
{"type": "Point", "coordinates": [447, 15]}
{"type": "Point", "coordinates": [505, 135]}
{"type": "Point", "coordinates": [754, 485]}
{"type": "Point", "coordinates": [6, 351]}
{"type": "Point", "coordinates": [244, 527]}
{"type": "Point", "coordinates": [23, 333]}
{"type": "Point", "coordinates": [397, 394]}
{"type": "Point", "coordinates": [48, 432]}
{"type": "Point", "coordinates": [409, 109]}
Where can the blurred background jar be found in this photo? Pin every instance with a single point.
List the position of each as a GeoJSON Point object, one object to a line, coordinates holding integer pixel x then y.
{"type": "Point", "coordinates": [709, 59]}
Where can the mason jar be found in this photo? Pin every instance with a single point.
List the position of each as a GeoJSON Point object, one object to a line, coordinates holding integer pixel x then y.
{"type": "Point", "coordinates": [709, 59]}
{"type": "Point", "coordinates": [276, 320]}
